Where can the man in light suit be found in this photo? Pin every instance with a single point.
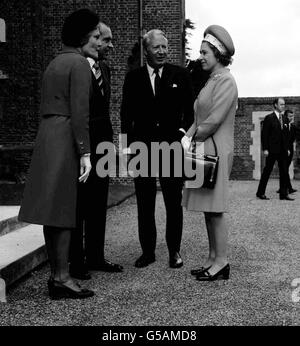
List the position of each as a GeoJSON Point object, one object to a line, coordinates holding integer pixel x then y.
{"type": "Point", "coordinates": [274, 140]}
{"type": "Point", "coordinates": [157, 106]}
{"type": "Point", "coordinates": [89, 253]}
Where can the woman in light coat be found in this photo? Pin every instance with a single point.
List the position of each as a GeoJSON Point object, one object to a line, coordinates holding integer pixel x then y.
{"type": "Point", "coordinates": [215, 109]}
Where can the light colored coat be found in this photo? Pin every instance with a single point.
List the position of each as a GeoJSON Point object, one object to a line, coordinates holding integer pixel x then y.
{"type": "Point", "coordinates": [215, 109]}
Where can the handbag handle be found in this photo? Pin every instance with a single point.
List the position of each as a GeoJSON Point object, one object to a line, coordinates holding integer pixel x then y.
{"type": "Point", "coordinates": [214, 143]}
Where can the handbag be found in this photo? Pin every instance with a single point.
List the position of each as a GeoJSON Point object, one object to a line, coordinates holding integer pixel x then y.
{"type": "Point", "coordinates": [206, 164]}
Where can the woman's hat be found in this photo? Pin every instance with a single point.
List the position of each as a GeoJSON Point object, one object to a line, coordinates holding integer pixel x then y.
{"type": "Point", "coordinates": [219, 38]}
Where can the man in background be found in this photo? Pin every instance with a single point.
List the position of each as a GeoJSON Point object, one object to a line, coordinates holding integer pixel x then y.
{"type": "Point", "coordinates": [274, 141]}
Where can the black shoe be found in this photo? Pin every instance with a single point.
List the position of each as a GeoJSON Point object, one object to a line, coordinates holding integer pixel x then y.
{"type": "Point", "coordinates": [198, 271]}
{"type": "Point", "coordinates": [59, 290]}
{"type": "Point", "coordinates": [292, 190]}
{"type": "Point", "coordinates": [286, 198]}
{"type": "Point", "coordinates": [175, 261]}
{"type": "Point", "coordinates": [262, 196]}
{"type": "Point", "coordinates": [222, 274]}
{"type": "Point", "coordinates": [107, 266]}
{"type": "Point", "coordinates": [144, 261]}
{"type": "Point", "coordinates": [80, 274]}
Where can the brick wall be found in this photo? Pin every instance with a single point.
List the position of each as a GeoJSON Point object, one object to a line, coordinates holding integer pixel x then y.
{"type": "Point", "coordinates": [33, 39]}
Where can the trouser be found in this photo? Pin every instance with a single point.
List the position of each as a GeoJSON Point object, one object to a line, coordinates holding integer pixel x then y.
{"type": "Point", "coordinates": [283, 174]}
{"type": "Point", "coordinates": [87, 241]}
{"type": "Point", "coordinates": [146, 189]}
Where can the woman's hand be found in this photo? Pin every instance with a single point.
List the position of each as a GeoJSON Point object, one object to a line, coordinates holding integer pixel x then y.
{"type": "Point", "coordinates": [85, 167]}
{"type": "Point", "coordinates": [185, 142]}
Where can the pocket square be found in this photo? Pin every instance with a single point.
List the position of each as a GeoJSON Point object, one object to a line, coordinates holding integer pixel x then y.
{"type": "Point", "coordinates": [174, 85]}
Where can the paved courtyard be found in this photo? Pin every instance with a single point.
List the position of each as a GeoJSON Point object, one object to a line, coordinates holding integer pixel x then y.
{"type": "Point", "coordinates": [263, 290]}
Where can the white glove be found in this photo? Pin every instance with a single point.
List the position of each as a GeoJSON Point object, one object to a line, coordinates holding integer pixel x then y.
{"type": "Point", "coordinates": [185, 142]}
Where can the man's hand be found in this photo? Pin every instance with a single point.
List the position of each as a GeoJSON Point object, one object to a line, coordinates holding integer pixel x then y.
{"type": "Point", "coordinates": [266, 152]}
{"type": "Point", "coordinates": [85, 168]}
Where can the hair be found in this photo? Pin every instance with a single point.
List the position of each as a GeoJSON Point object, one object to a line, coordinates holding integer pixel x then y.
{"type": "Point", "coordinates": [276, 100]}
{"type": "Point", "coordinates": [224, 59]}
{"type": "Point", "coordinates": [288, 111]}
{"type": "Point", "coordinates": [149, 34]}
{"type": "Point", "coordinates": [77, 26]}
{"type": "Point", "coordinates": [101, 26]}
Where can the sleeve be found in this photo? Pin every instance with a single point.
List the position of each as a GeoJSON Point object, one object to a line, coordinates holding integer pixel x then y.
{"type": "Point", "coordinates": [126, 108]}
{"type": "Point", "coordinates": [80, 88]}
{"type": "Point", "coordinates": [265, 134]}
{"type": "Point", "coordinates": [224, 94]}
{"type": "Point", "coordinates": [188, 107]}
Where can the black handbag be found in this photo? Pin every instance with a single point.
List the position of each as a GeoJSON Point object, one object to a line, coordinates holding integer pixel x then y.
{"type": "Point", "coordinates": [208, 164]}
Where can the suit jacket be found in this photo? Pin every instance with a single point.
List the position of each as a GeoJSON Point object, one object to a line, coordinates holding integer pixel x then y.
{"type": "Point", "coordinates": [100, 124]}
{"type": "Point", "coordinates": [145, 117]}
{"type": "Point", "coordinates": [273, 138]}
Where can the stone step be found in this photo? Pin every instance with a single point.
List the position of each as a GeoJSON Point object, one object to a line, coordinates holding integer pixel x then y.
{"type": "Point", "coordinates": [22, 246]}
{"type": "Point", "coordinates": [9, 219]}
{"type": "Point", "coordinates": [21, 251]}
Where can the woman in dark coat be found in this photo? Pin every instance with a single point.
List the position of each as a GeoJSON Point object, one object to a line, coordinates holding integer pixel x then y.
{"type": "Point", "coordinates": [61, 155]}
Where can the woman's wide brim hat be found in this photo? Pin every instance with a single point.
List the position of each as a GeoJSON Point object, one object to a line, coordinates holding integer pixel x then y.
{"type": "Point", "coordinates": [223, 40]}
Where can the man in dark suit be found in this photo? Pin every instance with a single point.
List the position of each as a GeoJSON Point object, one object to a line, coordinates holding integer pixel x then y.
{"type": "Point", "coordinates": [87, 243]}
{"type": "Point", "coordinates": [274, 140]}
{"type": "Point", "coordinates": [157, 106]}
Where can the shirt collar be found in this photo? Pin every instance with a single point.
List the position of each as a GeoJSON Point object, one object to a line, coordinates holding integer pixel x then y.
{"type": "Point", "coordinates": [151, 70]}
{"type": "Point", "coordinates": [91, 61]}
{"type": "Point", "coordinates": [277, 113]}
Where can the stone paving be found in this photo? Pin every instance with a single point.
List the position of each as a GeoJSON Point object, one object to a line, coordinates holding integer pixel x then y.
{"type": "Point", "coordinates": [263, 290]}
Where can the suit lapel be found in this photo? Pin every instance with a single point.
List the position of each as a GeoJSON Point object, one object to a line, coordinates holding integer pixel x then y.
{"type": "Point", "coordinates": [106, 81]}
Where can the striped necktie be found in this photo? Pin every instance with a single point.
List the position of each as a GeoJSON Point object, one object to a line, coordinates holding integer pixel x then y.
{"type": "Point", "coordinates": [98, 75]}
{"type": "Point", "coordinates": [281, 121]}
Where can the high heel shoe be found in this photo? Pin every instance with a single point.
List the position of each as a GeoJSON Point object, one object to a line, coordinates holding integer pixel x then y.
{"type": "Point", "coordinates": [222, 274]}
{"type": "Point", "coordinates": [58, 290]}
{"type": "Point", "coordinates": [199, 270]}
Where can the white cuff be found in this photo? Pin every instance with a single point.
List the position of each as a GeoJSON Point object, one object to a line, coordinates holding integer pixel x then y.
{"type": "Point", "coordinates": [126, 151]}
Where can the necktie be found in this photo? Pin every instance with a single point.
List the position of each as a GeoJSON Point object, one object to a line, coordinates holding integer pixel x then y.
{"type": "Point", "coordinates": [281, 121]}
{"type": "Point", "coordinates": [156, 81]}
{"type": "Point", "coordinates": [98, 76]}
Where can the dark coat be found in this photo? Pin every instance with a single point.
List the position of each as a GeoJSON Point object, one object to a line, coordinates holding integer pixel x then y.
{"type": "Point", "coordinates": [273, 138]}
{"type": "Point", "coordinates": [293, 135]}
{"type": "Point", "coordinates": [145, 117]}
{"type": "Point", "coordinates": [51, 187]}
